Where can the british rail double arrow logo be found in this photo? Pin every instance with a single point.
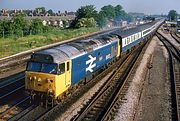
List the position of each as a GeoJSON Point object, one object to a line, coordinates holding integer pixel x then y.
{"type": "Point", "coordinates": [90, 62]}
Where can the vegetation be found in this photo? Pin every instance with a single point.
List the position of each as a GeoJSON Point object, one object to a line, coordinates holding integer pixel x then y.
{"type": "Point", "coordinates": [9, 46]}
{"type": "Point", "coordinates": [116, 13]}
{"type": "Point", "coordinates": [85, 14]}
{"type": "Point", "coordinates": [172, 15]}
{"type": "Point", "coordinates": [19, 27]}
{"type": "Point", "coordinates": [106, 13]}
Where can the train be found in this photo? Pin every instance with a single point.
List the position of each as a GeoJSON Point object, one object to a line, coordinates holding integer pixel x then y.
{"type": "Point", "coordinates": [51, 72]}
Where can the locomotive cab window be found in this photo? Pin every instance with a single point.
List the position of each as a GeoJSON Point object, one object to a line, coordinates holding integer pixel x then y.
{"type": "Point", "coordinates": [61, 69]}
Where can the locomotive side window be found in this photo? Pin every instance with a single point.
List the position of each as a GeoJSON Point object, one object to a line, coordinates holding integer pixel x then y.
{"type": "Point", "coordinates": [62, 68]}
{"type": "Point", "coordinates": [67, 66]}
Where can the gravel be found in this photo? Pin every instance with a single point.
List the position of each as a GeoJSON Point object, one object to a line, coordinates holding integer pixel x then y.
{"type": "Point", "coordinates": [155, 101]}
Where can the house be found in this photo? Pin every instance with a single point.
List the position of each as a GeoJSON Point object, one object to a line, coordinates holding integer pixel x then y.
{"type": "Point", "coordinates": [110, 23]}
{"type": "Point", "coordinates": [44, 22]}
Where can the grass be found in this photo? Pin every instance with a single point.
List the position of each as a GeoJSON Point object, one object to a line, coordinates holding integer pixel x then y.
{"type": "Point", "coordinates": [12, 45]}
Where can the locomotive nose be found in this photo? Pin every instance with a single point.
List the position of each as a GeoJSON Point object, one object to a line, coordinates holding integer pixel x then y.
{"type": "Point", "coordinates": [40, 82]}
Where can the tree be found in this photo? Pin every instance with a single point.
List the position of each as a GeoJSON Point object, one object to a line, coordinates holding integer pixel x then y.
{"type": "Point", "coordinates": [7, 27]}
{"type": "Point", "coordinates": [118, 10]}
{"type": "Point", "coordinates": [36, 26]}
{"type": "Point", "coordinates": [108, 11]}
{"type": "Point", "coordinates": [86, 22]}
{"type": "Point", "coordinates": [1, 26]}
{"type": "Point", "coordinates": [65, 24]}
{"type": "Point", "coordinates": [101, 20]}
{"type": "Point", "coordinates": [83, 13]}
{"type": "Point", "coordinates": [87, 11]}
{"type": "Point", "coordinates": [172, 15]}
{"type": "Point", "coordinates": [50, 12]}
{"type": "Point", "coordinates": [40, 10]}
{"type": "Point", "coordinates": [19, 23]}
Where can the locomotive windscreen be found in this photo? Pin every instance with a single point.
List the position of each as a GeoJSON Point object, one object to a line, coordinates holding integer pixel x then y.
{"type": "Point", "coordinates": [42, 67]}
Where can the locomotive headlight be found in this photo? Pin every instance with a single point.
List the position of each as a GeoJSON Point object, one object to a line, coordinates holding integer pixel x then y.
{"type": "Point", "coordinates": [30, 78]}
{"type": "Point", "coordinates": [39, 80]}
{"type": "Point", "coordinates": [49, 81]}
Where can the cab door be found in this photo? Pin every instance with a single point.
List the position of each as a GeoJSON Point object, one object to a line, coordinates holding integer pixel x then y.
{"type": "Point", "coordinates": [68, 73]}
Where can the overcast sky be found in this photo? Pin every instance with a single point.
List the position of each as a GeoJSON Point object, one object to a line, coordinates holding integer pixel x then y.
{"type": "Point", "coordinates": [145, 6]}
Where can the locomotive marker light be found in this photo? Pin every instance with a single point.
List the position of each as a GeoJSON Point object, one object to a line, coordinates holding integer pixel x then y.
{"type": "Point", "coordinates": [90, 62]}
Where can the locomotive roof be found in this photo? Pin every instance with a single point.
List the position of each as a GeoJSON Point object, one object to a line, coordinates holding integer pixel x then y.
{"type": "Point", "coordinates": [69, 50]}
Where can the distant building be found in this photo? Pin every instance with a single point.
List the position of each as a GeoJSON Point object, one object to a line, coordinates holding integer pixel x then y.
{"type": "Point", "coordinates": [44, 22]}
{"type": "Point", "coordinates": [5, 12]}
{"type": "Point", "coordinates": [123, 23]}
{"type": "Point", "coordinates": [110, 23]}
{"type": "Point", "coordinates": [170, 24]}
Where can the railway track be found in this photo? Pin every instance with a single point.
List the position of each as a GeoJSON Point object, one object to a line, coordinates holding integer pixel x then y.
{"type": "Point", "coordinates": [174, 72]}
{"type": "Point", "coordinates": [175, 51]}
{"type": "Point", "coordinates": [12, 96]}
{"type": "Point", "coordinates": [15, 109]}
{"type": "Point", "coordinates": [174, 35]}
{"type": "Point", "coordinates": [177, 34]}
{"type": "Point", "coordinates": [12, 85]}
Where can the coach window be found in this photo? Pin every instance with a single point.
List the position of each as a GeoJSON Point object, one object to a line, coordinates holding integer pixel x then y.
{"type": "Point", "coordinates": [61, 68]}
{"type": "Point", "coordinates": [132, 38]}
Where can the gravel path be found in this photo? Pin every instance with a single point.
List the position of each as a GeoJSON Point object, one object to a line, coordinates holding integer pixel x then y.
{"type": "Point", "coordinates": [155, 104]}
{"type": "Point", "coordinates": [148, 98]}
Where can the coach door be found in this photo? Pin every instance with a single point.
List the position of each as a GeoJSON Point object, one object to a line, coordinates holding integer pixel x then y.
{"type": "Point", "coordinates": [68, 73]}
